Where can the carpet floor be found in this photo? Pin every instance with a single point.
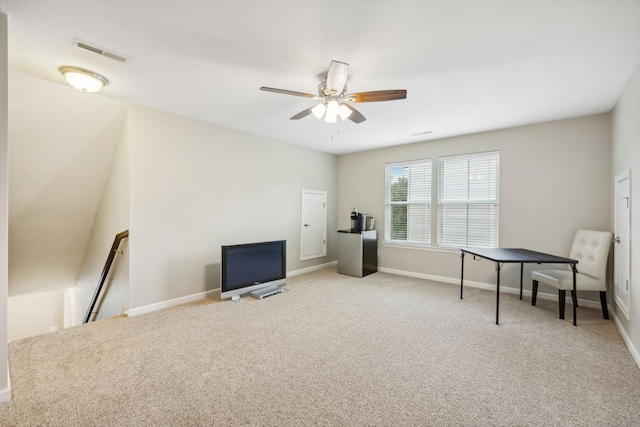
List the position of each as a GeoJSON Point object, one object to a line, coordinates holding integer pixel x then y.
{"type": "Point", "coordinates": [333, 350]}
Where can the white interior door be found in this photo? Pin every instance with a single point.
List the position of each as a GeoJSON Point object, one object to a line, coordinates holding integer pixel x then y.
{"type": "Point", "coordinates": [622, 243]}
{"type": "Point", "coordinates": [313, 226]}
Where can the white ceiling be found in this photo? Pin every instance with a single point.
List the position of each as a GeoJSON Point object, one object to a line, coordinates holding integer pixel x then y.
{"type": "Point", "coordinates": [468, 65]}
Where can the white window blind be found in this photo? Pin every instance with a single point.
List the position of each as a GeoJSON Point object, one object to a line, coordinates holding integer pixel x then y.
{"type": "Point", "coordinates": [468, 202]}
{"type": "Point", "coordinates": [408, 202]}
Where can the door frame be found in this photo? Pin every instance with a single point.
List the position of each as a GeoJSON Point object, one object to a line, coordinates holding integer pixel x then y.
{"type": "Point", "coordinates": [624, 308]}
{"type": "Point", "coordinates": [324, 224]}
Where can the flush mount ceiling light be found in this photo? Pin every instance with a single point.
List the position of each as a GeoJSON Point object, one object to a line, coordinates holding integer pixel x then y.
{"type": "Point", "coordinates": [84, 80]}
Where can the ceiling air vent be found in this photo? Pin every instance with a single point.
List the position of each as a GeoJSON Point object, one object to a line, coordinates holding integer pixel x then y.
{"type": "Point", "coordinates": [426, 132]}
{"type": "Point", "coordinates": [88, 47]}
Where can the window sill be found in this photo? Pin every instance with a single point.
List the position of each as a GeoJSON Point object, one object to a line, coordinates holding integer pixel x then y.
{"type": "Point", "coordinates": [397, 245]}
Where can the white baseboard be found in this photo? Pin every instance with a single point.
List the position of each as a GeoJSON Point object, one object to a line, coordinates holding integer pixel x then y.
{"type": "Point", "coordinates": [486, 286]}
{"type": "Point", "coordinates": [627, 340]}
{"type": "Point", "coordinates": [310, 269]}
{"type": "Point", "coordinates": [455, 281]}
{"type": "Point", "coordinates": [170, 303]}
{"type": "Point", "coordinates": [5, 393]}
{"type": "Point", "coordinates": [194, 297]}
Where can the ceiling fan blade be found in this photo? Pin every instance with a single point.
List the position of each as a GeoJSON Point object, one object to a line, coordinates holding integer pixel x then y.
{"type": "Point", "coordinates": [289, 92]}
{"type": "Point", "coordinates": [376, 96]}
{"type": "Point", "coordinates": [337, 77]}
{"type": "Point", "coordinates": [355, 116]}
{"type": "Point", "coordinates": [301, 114]}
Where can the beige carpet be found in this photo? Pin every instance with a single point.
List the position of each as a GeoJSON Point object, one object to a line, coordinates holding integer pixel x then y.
{"type": "Point", "coordinates": [384, 350]}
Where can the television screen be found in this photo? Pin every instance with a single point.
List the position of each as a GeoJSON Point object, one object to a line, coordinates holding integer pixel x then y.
{"type": "Point", "coordinates": [251, 266]}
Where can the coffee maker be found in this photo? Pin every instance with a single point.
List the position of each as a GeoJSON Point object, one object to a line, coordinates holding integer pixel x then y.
{"type": "Point", "coordinates": [358, 221]}
{"type": "Point", "coordinates": [354, 219]}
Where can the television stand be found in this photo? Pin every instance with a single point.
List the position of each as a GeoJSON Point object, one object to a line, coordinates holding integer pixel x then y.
{"type": "Point", "coordinates": [265, 292]}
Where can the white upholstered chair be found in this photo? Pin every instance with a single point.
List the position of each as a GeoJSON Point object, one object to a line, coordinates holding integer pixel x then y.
{"type": "Point", "coordinates": [591, 249]}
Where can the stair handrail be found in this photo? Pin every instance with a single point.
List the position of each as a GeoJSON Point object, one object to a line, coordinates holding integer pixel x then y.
{"type": "Point", "coordinates": [105, 272]}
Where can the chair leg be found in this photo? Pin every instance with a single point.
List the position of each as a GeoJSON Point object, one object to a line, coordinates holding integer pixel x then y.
{"type": "Point", "coordinates": [603, 303]}
{"type": "Point", "coordinates": [574, 298]}
{"type": "Point", "coordinates": [534, 292]}
{"type": "Point", "coordinates": [561, 294]}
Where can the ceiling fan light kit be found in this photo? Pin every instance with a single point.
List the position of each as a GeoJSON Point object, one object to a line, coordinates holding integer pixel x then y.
{"type": "Point", "coordinates": [333, 110]}
{"type": "Point", "coordinates": [319, 111]}
{"type": "Point", "coordinates": [333, 92]}
{"type": "Point", "coordinates": [83, 79]}
{"type": "Point", "coordinates": [330, 111]}
{"type": "Point", "coordinates": [345, 112]}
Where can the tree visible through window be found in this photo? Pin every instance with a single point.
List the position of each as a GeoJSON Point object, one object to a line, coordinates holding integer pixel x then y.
{"type": "Point", "coordinates": [408, 202]}
{"type": "Point", "coordinates": [399, 211]}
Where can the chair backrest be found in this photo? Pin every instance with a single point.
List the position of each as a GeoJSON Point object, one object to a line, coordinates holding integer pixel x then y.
{"type": "Point", "coordinates": [591, 249]}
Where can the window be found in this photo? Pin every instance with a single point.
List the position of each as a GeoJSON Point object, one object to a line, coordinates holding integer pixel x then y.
{"type": "Point", "coordinates": [468, 200]}
{"type": "Point", "coordinates": [408, 202]}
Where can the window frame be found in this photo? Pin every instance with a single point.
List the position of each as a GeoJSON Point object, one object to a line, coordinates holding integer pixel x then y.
{"type": "Point", "coordinates": [426, 203]}
{"type": "Point", "coordinates": [491, 218]}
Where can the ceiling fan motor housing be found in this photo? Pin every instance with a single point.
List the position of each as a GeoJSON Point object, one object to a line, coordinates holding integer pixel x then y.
{"type": "Point", "coordinates": [337, 78]}
{"type": "Point", "coordinates": [324, 91]}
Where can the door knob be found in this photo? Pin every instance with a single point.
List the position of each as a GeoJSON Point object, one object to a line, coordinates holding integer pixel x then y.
{"type": "Point", "coordinates": [307, 225]}
{"type": "Point", "coordinates": [616, 240]}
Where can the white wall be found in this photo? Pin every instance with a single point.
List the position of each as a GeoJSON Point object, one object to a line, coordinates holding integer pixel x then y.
{"type": "Point", "coordinates": [111, 219]}
{"type": "Point", "coordinates": [35, 314]}
{"type": "Point", "coordinates": [61, 142]}
{"type": "Point", "coordinates": [5, 390]}
{"type": "Point", "coordinates": [626, 155]}
{"type": "Point", "coordinates": [554, 179]}
{"type": "Point", "coordinates": [197, 186]}
{"type": "Point", "coordinates": [76, 303]}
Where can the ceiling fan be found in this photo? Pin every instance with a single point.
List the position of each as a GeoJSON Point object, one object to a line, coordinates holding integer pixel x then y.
{"type": "Point", "coordinates": [335, 99]}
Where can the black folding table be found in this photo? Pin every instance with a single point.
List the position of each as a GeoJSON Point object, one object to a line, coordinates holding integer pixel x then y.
{"type": "Point", "coordinates": [522, 256]}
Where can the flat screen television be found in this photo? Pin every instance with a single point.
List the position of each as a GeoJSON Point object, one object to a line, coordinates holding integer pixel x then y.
{"type": "Point", "coordinates": [249, 267]}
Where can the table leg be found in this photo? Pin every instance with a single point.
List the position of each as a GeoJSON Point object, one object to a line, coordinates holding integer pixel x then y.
{"type": "Point", "coordinates": [497, 291]}
{"type": "Point", "coordinates": [573, 267]}
{"type": "Point", "coordinates": [521, 274]}
{"type": "Point", "coordinates": [461, 272]}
